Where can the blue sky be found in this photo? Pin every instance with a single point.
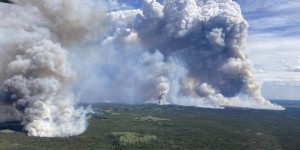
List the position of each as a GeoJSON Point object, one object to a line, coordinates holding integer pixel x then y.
{"type": "Point", "coordinates": [273, 42]}
{"type": "Point", "coordinates": [273, 45]}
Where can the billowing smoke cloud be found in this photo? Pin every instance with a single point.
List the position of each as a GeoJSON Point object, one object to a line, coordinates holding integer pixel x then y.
{"type": "Point", "coordinates": [36, 74]}
{"type": "Point", "coordinates": [188, 52]}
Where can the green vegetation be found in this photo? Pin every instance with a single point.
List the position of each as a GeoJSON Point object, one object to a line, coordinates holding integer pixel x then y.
{"type": "Point", "coordinates": [110, 111]}
{"type": "Point", "coordinates": [130, 138]}
{"type": "Point", "coordinates": [151, 118]}
{"type": "Point", "coordinates": [187, 128]}
{"type": "Point", "coordinates": [7, 131]}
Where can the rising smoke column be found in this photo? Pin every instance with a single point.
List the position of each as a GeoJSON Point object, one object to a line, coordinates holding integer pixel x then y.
{"type": "Point", "coordinates": [209, 37]}
{"type": "Point", "coordinates": [187, 52]}
{"type": "Point", "coordinates": [35, 68]}
{"type": "Point", "coordinates": [120, 69]}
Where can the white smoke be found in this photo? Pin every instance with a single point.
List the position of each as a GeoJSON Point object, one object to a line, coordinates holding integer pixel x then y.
{"type": "Point", "coordinates": [209, 38]}
{"type": "Point", "coordinates": [188, 52]}
{"type": "Point", "coordinates": [35, 69]}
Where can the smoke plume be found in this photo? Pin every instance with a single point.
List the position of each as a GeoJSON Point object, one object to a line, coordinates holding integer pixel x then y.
{"type": "Point", "coordinates": [188, 52]}
{"type": "Point", "coordinates": [36, 74]}
{"type": "Point", "coordinates": [183, 52]}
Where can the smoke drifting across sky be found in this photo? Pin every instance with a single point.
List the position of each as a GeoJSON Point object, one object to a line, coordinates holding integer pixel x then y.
{"type": "Point", "coordinates": [188, 52]}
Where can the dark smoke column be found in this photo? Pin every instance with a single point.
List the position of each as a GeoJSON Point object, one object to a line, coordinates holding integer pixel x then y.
{"type": "Point", "coordinates": [209, 38]}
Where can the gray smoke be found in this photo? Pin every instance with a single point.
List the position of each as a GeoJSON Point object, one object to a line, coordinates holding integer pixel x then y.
{"type": "Point", "coordinates": [36, 74]}
{"type": "Point", "coordinates": [188, 52]}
